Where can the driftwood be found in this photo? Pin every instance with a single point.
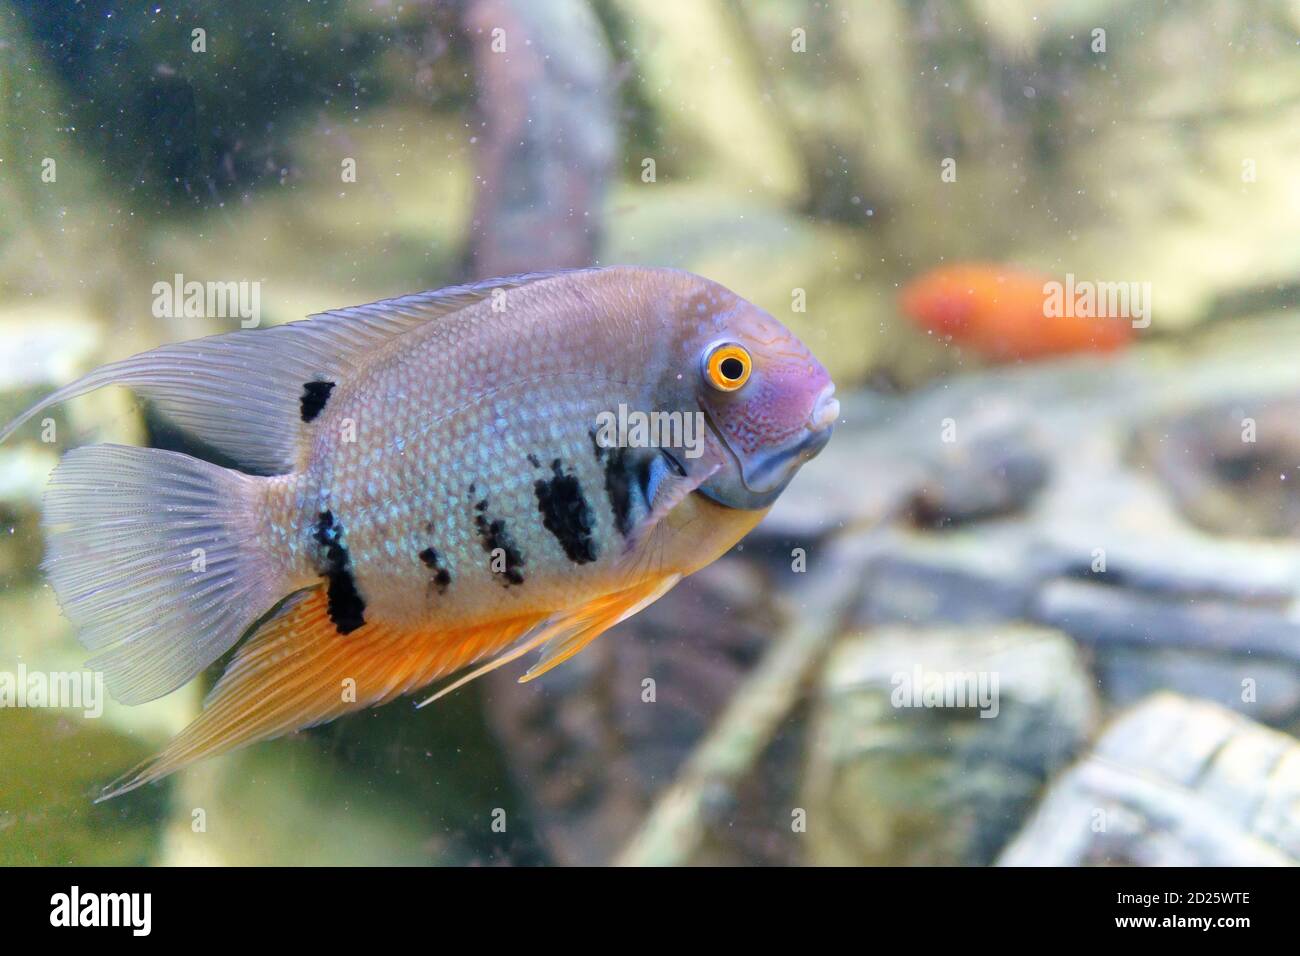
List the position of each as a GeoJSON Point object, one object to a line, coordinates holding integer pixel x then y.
{"type": "Point", "coordinates": [546, 100]}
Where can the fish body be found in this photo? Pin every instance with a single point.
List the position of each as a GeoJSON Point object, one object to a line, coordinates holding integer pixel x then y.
{"type": "Point", "coordinates": [999, 312]}
{"type": "Point", "coordinates": [442, 485]}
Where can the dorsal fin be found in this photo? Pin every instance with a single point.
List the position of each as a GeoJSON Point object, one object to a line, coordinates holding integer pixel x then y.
{"type": "Point", "coordinates": [245, 393]}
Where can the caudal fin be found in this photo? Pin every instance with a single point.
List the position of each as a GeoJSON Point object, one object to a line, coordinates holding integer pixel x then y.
{"type": "Point", "coordinates": [157, 560]}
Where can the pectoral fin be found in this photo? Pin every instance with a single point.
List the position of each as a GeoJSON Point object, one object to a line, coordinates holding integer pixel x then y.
{"type": "Point", "coordinates": [666, 486]}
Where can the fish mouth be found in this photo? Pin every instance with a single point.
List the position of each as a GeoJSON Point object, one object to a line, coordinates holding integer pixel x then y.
{"type": "Point", "coordinates": [770, 474]}
{"type": "Point", "coordinates": [762, 480]}
{"type": "Point", "coordinates": [826, 410]}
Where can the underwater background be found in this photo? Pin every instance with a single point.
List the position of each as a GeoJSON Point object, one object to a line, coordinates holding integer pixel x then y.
{"type": "Point", "coordinates": [1105, 538]}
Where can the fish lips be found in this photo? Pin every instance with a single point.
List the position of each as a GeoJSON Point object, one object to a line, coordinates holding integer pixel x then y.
{"type": "Point", "coordinates": [763, 477]}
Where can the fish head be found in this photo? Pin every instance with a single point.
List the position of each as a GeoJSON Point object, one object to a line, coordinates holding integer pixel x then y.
{"type": "Point", "coordinates": [768, 402]}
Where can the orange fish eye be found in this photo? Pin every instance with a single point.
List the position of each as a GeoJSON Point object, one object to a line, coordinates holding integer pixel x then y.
{"type": "Point", "coordinates": [727, 367]}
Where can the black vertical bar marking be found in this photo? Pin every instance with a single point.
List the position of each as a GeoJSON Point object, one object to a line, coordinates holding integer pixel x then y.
{"type": "Point", "coordinates": [346, 606]}
{"type": "Point", "coordinates": [621, 484]}
{"type": "Point", "coordinates": [618, 482]}
{"type": "Point", "coordinates": [496, 536]}
{"type": "Point", "coordinates": [567, 514]}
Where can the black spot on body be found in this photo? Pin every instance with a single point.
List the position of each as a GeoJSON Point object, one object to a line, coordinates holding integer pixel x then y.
{"type": "Point", "coordinates": [433, 561]}
{"type": "Point", "coordinates": [346, 606]}
{"type": "Point", "coordinates": [567, 514]}
{"type": "Point", "coordinates": [495, 537]}
{"type": "Point", "coordinates": [625, 478]}
{"type": "Point", "coordinates": [314, 397]}
{"type": "Point", "coordinates": [534, 460]}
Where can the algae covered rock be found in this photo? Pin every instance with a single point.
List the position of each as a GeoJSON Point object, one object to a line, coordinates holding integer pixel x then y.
{"type": "Point", "coordinates": [929, 746]}
{"type": "Point", "coordinates": [52, 764]}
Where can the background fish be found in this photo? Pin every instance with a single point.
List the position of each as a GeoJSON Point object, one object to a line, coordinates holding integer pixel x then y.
{"type": "Point", "coordinates": [997, 311]}
{"type": "Point", "coordinates": [433, 491]}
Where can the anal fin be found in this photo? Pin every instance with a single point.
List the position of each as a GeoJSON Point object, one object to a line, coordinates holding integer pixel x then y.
{"type": "Point", "coordinates": [299, 671]}
{"type": "Point", "coordinates": [576, 629]}
{"type": "Point", "coordinates": [565, 634]}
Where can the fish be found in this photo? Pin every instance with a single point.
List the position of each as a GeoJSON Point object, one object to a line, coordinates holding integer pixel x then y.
{"type": "Point", "coordinates": [1000, 313]}
{"type": "Point", "coordinates": [427, 487]}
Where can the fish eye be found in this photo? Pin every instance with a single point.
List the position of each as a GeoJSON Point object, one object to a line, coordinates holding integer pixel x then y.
{"type": "Point", "coordinates": [727, 367]}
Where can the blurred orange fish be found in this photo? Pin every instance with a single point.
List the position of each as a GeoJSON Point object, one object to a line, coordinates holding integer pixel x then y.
{"type": "Point", "coordinates": [1004, 314]}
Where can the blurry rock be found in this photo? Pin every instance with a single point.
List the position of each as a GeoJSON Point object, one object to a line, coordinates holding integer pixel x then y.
{"type": "Point", "coordinates": [592, 752]}
{"type": "Point", "coordinates": [48, 344]}
{"type": "Point", "coordinates": [893, 780]}
{"type": "Point", "coordinates": [1173, 563]}
{"type": "Point", "coordinates": [1232, 467]}
{"type": "Point", "coordinates": [1088, 539]}
{"type": "Point", "coordinates": [995, 472]}
{"type": "Point", "coordinates": [1263, 690]}
{"type": "Point", "coordinates": [1106, 616]}
{"type": "Point", "coordinates": [918, 587]}
{"type": "Point", "coordinates": [1173, 782]}
{"type": "Point", "coordinates": [52, 763]}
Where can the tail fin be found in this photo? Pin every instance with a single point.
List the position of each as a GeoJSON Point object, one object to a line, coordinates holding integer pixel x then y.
{"type": "Point", "coordinates": [155, 557]}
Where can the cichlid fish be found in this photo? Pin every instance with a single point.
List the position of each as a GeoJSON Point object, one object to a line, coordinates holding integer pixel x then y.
{"type": "Point", "coordinates": [433, 482]}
